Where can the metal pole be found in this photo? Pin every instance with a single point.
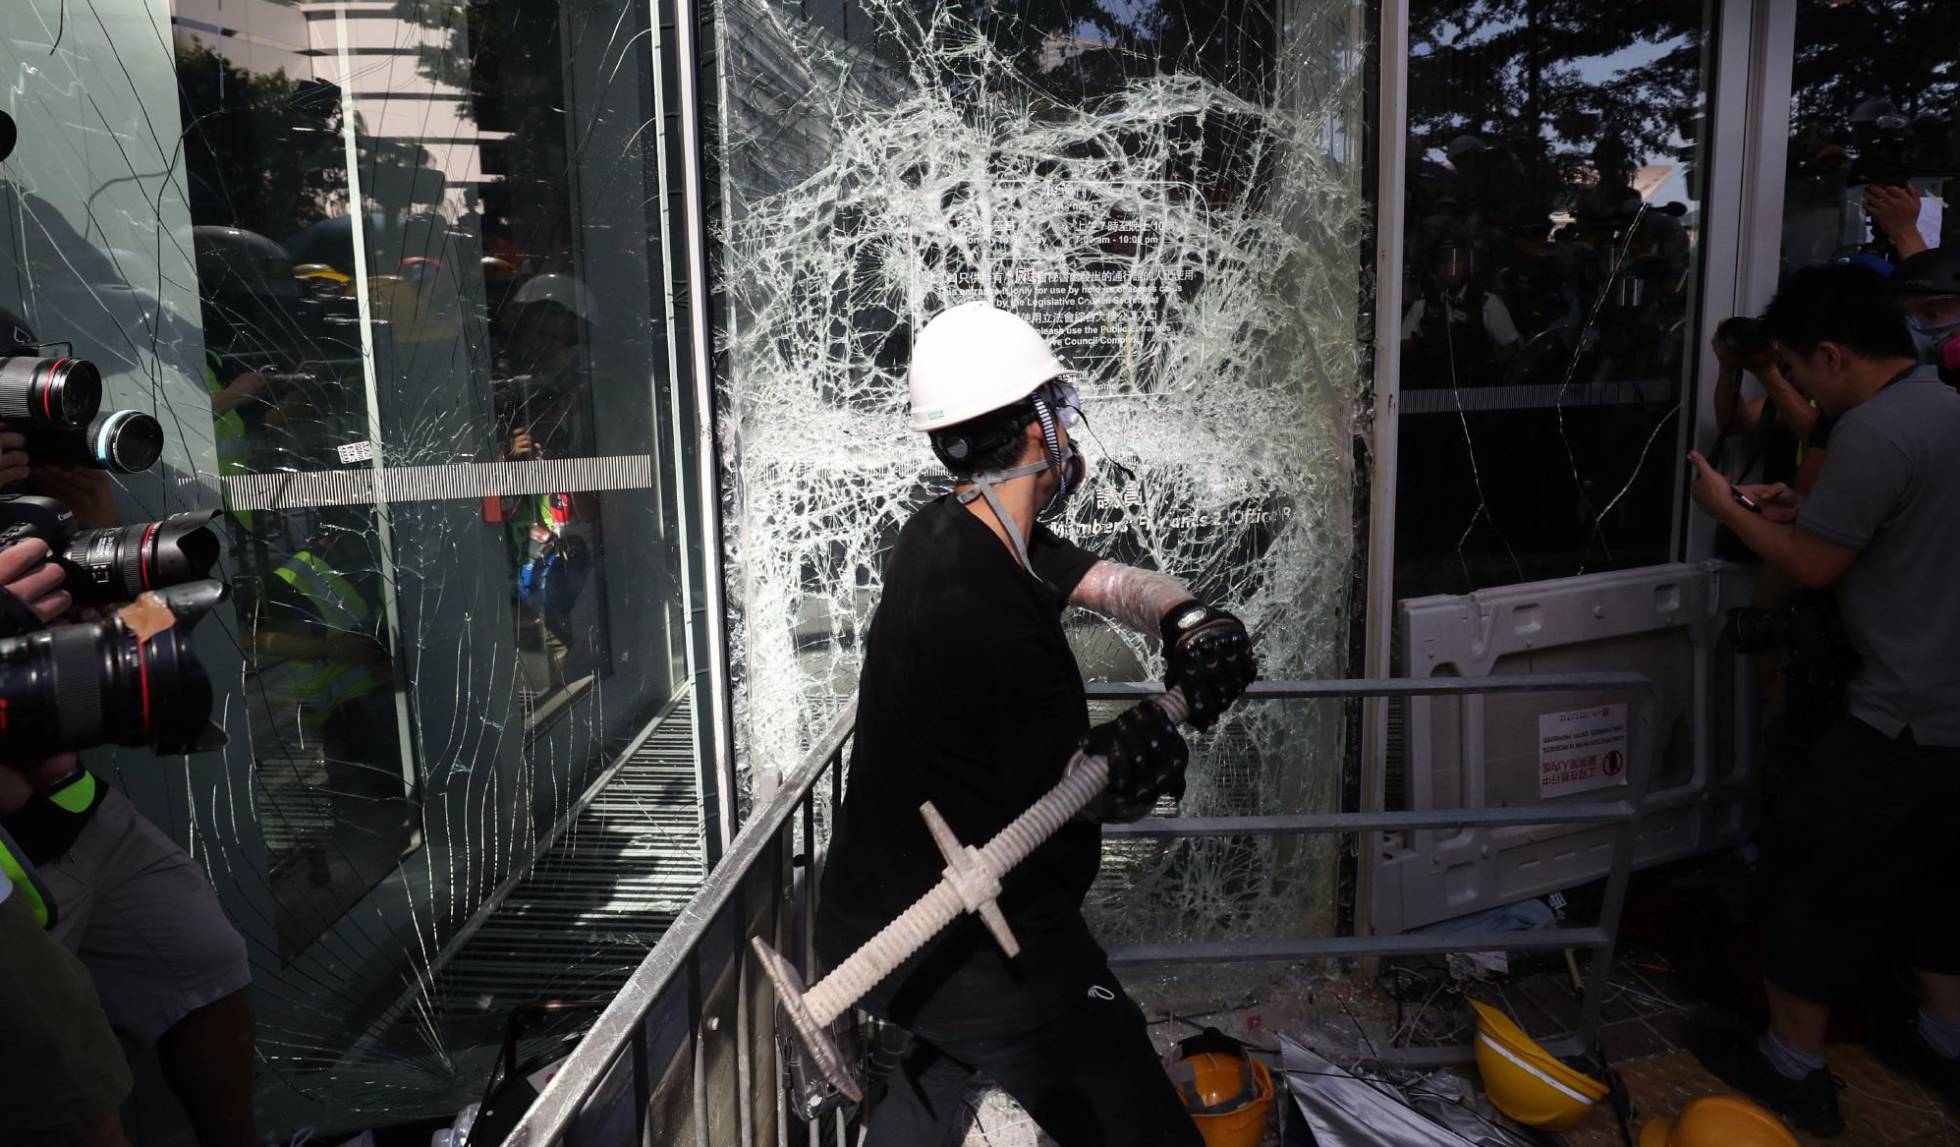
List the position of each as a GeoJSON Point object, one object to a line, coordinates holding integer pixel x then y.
{"type": "Point", "coordinates": [1391, 140]}
{"type": "Point", "coordinates": [707, 477]}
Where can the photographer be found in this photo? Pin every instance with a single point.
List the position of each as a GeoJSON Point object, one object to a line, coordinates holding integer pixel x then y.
{"type": "Point", "coordinates": [65, 1074]}
{"type": "Point", "coordinates": [130, 904]}
{"type": "Point", "coordinates": [1869, 823]}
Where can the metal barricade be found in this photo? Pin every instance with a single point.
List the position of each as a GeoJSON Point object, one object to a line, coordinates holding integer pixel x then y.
{"type": "Point", "coordinates": [696, 1009]}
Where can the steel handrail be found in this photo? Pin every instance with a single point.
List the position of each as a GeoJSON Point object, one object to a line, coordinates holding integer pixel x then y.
{"type": "Point", "coordinates": [624, 1019]}
{"type": "Point", "coordinates": [589, 1064]}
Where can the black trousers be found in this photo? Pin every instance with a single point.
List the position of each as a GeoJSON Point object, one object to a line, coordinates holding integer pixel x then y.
{"type": "Point", "coordinates": [1860, 860]}
{"type": "Point", "coordinates": [1087, 1073]}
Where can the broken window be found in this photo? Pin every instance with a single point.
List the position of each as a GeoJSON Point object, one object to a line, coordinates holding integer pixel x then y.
{"type": "Point", "coordinates": [1551, 234]}
{"type": "Point", "coordinates": [1174, 195]}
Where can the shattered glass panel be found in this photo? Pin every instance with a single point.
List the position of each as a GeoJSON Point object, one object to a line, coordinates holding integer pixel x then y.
{"type": "Point", "coordinates": [391, 276]}
{"type": "Point", "coordinates": [1551, 232]}
{"type": "Point", "coordinates": [1174, 195]}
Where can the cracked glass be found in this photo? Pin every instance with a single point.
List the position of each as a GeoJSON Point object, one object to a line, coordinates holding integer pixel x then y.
{"type": "Point", "coordinates": [1551, 237]}
{"type": "Point", "coordinates": [1174, 195]}
{"type": "Point", "coordinates": [391, 275]}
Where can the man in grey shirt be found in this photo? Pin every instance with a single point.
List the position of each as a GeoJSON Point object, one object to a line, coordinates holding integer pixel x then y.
{"type": "Point", "coordinates": [1864, 841]}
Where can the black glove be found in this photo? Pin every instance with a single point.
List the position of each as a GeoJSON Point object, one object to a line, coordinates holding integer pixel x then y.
{"type": "Point", "coordinates": [1208, 655]}
{"type": "Point", "coordinates": [1146, 758]}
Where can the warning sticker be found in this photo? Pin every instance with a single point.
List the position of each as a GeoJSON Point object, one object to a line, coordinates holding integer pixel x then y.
{"type": "Point", "coordinates": [1582, 749]}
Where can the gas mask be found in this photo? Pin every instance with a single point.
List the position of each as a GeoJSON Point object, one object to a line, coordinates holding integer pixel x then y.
{"type": "Point", "coordinates": [1057, 406]}
{"type": "Point", "coordinates": [1934, 341]}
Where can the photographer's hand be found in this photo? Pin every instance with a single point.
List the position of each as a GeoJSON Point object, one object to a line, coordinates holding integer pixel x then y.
{"type": "Point", "coordinates": [13, 456]}
{"type": "Point", "coordinates": [26, 572]}
{"type": "Point", "coordinates": [19, 782]}
{"type": "Point", "coordinates": [87, 493]}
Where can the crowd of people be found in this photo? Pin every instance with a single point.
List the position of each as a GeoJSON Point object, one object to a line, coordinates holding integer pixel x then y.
{"type": "Point", "coordinates": [1507, 286]}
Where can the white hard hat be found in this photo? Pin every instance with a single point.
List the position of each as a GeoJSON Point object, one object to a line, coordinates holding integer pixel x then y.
{"type": "Point", "coordinates": [562, 290]}
{"type": "Point", "coordinates": [972, 359]}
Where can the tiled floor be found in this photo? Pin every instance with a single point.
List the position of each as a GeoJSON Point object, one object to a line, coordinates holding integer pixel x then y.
{"type": "Point", "coordinates": [1646, 1016]}
{"type": "Point", "coordinates": [1646, 1020]}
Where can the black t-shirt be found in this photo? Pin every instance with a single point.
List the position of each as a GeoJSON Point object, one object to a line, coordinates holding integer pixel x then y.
{"type": "Point", "coordinates": [970, 698]}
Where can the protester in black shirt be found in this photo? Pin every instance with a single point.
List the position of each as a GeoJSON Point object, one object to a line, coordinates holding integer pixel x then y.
{"type": "Point", "coordinates": [971, 698]}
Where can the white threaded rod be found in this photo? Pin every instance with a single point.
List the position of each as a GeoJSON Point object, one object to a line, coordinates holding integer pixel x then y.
{"type": "Point", "coordinates": [881, 955]}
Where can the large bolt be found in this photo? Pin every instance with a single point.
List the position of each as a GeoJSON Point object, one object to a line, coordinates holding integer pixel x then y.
{"type": "Point", "coordinates": [970, 884]}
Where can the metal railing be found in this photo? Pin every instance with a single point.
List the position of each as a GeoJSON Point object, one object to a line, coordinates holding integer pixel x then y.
{"type": "Point", "coordinates": [696, 1011]}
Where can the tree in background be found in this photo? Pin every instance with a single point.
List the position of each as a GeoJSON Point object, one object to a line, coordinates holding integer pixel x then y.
{"type": "Point", "coordinates": [262, 151]}
{"type": "Point", "coordinates": [1536, 80]}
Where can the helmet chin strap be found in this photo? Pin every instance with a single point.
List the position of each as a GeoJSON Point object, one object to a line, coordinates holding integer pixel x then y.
{"type": "Point", "coordinates": [1066, 467]}
{"type": "Point", "coordinates": [983, 487]}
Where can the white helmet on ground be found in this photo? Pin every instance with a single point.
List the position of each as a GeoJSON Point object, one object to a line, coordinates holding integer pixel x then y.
{"type": "Point", "coordinates": [972, 359]}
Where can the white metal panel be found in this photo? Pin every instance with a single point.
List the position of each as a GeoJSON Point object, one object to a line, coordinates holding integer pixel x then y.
{"type": "Point", "coordinates": [1662, 621]}
{"type": "Point", "coordinates": [1391, 132]}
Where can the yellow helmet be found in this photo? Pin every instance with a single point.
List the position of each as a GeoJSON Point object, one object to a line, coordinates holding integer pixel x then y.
{"type": "Point", "coordinates": [1228, 1093]}
{"type": "Point", "coordinates": [1525, 1081]}
{"type": "Point", "coordinates": [320, 271]}
{"type": "Point", "coordinates": [1718, 1121]}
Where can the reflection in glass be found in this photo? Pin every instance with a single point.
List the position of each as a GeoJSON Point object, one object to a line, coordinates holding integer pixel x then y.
{"type": "Point", "coordinates": [1874, 131]}
{"type": "Point", "coordinates": [1550, 233]}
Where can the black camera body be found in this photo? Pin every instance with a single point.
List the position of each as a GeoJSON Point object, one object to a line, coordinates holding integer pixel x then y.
{"type": "Point", "coordinates": [1742, 336]}
{"type": "Point", "coordinates": [117, 563]}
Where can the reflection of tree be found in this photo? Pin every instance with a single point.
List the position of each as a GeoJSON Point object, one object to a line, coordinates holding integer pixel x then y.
{"type": "Point", "coordinates": [506, 56]}
{"type": "Point", "coordinates": [1902, 50]}
{"type": "Point", "coordinates": [263, 151]}
{"type": "Point", "coordinates": [1526, 76]}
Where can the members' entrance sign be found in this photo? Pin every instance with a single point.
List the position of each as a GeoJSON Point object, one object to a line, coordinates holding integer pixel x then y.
{"type": "Point", "coordinates": [1582, 749]}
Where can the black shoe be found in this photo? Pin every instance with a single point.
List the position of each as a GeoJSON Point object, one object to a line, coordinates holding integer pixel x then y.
{"type": "Point", "coordinates": [1810, 1103]}
{"type": "Point", "coordinates": [1901, 1047]}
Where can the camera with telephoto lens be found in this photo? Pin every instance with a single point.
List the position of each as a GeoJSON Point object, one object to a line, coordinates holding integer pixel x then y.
{"type": "Point", "coordinates": [132, 680]}
{"type": "Point", "coordinates": [57, 402]}
{"type": "Point", "coordinates": [41, 395]}
{"type": "Point", "coordinates": [1742, 336]}
{"type": "Point", "coordinates": [116, 563]}
{"type": "Point", "coordinates": [125, 441]}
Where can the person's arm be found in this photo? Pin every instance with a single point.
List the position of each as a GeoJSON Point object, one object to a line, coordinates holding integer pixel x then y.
{"type": "Point", "coordinates": [1502, 330]}
{"type": "Point", "coordinates": [86, 492]}
{"type": "Point", "coordinates": [1207, 652]}
{"type": "Point", "coordinates": [1137, 598]}
{"type": "Point", "coordinates": [1894, 212]}
{"type": "Point", "coordinates": [1810, 560]}
{"type": "Point", "coordinates": [1733, 415]}
{"type": "Point", "coordinates": [1791, 406]}
{"type": "Point", "coordinates": [239, 391]}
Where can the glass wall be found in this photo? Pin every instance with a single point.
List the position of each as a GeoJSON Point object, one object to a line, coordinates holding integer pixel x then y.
{"type": "Point", "coordinates": [1874, 130]}
{"type": "Point", "coordinates": [391, 275]}
{"type": "Point", "coordinates": [1551, 233]}
{"type": "Point", "coordinates": [1174, 194]}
